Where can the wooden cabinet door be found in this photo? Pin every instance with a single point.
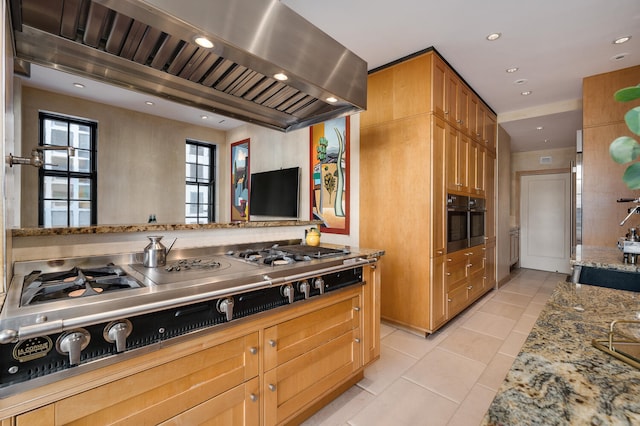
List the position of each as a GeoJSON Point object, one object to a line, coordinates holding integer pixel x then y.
{"type": "Point", "coordinates": [463, 172]}
{"type": "Point", "coordinates": [457, 167]}
{"type": "Point", "coordinates": [490, 129]}
{"type": "Point", "coordinates": [438, 308]}
{"type": "Point", "coordinates": [238, 406]}
{"type": "Point", "coordinates": [439, 87]}
{"type": "Point", "coordinates": [457, 300]}
{"type": "Point", "coordinates": [452, 89]}
{"type": "Point", "coordinates": [475, 272]}
{"type": "Point", "coordinates": [463, 108]}
{"type": "Point", "coordinates": [490, 194]}
{"type": "Point", "coordinates": [371, 321]}
{"type": "Point", "coordinates": [313, 353]}
{"type": "Point", "coordinates": [490, 264]}
{"type": "Point", "coordinates": [477, 159]}
{"type": "Point", "coordinates": [472, 115]}
{"type": "Point", "coordinates": [440, 134]}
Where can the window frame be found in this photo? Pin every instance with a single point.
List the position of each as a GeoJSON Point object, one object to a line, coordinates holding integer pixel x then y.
{"type": "Point", "coordinates": [92, 175]}
{"type": "Point", "coordinates": [210, 184]}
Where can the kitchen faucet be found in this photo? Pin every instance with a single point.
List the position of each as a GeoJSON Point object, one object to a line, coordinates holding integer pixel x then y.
{"type": "Point", "coordinates": [37, 155]}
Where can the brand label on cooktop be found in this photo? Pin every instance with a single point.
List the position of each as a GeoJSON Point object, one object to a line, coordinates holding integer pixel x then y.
{"type": "Point", "coordinates": [33, 348]}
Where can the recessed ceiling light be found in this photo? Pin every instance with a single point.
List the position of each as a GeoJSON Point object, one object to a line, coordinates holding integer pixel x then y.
{"type": "Point", "coordinates": [619, 57]}
{"type": "Point", "coordinates": [204, 117]}
{"type": "Point", "coordinates": [520, 81]}
{"type": "Point", "coordinates": [621, 40]}
{"type": "Point", "coordinates": [527, 93]}
{"type": "Point", "coordinates": [149, 103]}
{"type": "Point", "coordinates": [280, 76]}
{"type": "Point", "coordinates": [78, 85]}
{"type": "Point", "coordinates": [332, 99]}
{"type": "Point", "coordinates": [204, 42]}
{"type": "Point", "coordinates": [511, 70]}
{"type": "Point", "coordinates": [539, 128]}
{"type": "Point", "coordinates": [493, 36]}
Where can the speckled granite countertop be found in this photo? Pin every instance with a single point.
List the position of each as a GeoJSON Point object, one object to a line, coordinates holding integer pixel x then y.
{"type": "Point", "coordinates": [559, 378]}
{"type": "Point", "coordinates": [602, 257]}
{"type": "Point", "coordinates": [144, 227]}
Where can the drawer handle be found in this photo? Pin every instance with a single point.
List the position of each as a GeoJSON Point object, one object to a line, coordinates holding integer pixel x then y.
{"type": "Point", "coordinates": [449, 300]}
{"type": "Point", "coordinates": [253, 350]}
{"type": "Point", "coordinates": [357, 340]}
{"type": "Point", "coordinates": [448, 274]}
{"type": "Point", "coordinates": [357, 309]}
{"type": "Point", "coordinates": [272, 343]}
{"type": "Point", "coordinates": [253, 397]}
{"type": "Point", "coordinates": [272, 387]}
{"type": "Point", "coordinates": [470, 287]}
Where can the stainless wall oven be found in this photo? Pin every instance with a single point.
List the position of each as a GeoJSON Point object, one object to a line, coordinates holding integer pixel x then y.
{"type": "Point", "coordinates": [465, 222]}
{"type": "Point", "coordinates": [477, 213]}
{"type": "Point", "coordinates": [457, 222]}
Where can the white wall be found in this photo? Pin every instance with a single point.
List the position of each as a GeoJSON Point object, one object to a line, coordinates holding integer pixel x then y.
{"type": "Point", "coordinates": [271, 149]}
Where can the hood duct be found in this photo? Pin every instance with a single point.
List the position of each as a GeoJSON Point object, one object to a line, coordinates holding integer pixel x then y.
{"type": "Point", "coordinates": [149, 46]}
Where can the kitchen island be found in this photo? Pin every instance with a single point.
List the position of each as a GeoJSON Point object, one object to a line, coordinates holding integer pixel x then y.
{"type": "Point", "coordinates": [559, 377]}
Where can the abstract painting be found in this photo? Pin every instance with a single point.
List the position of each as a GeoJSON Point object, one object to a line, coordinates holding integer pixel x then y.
{"type": "Point", "coordinates": [240, 181]}
{"type": "Point", "coordinates": [330, 175]}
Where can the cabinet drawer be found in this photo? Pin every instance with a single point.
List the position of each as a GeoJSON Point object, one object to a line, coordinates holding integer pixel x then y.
{"type": "Point", "coordinates": [476, 261]}
{"type": "Point", "coordinates": [476, 285]}
{"type": "Point", "coordinates": [456, 270]}
{"type": "Point", "coordinates": [238, 406]}
{"type": "Point", "coordinates": [286, 341]}
{"type": "Point", "coordinates": [457, 300]}
{"type": "Point", "coordinates": [161, 392]}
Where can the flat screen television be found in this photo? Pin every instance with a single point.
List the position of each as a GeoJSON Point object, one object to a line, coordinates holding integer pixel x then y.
{"type": "Point", "coordinates": [275, 193]}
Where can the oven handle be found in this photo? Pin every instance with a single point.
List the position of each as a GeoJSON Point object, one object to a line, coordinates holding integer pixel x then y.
{"type": "Point", "coordinates": [58, 326]}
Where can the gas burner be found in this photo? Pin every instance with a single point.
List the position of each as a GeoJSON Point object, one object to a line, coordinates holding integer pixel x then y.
{"type": "Point", "coordinates": [193, 264]}
{"type": "Point", "coordinates": [74, 283]}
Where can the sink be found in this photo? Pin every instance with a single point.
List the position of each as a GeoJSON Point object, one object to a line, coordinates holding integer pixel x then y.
{"type": "Point", "coordinates": [610, 278]}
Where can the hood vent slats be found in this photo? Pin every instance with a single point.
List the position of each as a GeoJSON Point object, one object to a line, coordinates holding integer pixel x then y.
{"type": "Point", "coordinates": [155, 41]}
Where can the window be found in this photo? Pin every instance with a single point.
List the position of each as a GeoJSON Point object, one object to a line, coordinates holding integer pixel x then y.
{"type": "Point", "coordinates": [67, 182]}
{"type": "Point", "coordinates": [200, 185]}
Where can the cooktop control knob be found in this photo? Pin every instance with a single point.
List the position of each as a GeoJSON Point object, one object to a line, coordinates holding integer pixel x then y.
{"type": "Point", "coordinates": [304, 287]}
{"type": "Point", "coordinates": [117, 332]}
{"type": "Point", "coordinates": [287, 291]}
{"type": "Point", "coordinates": [318, 283]}
{"type": "Point", "coordinates": [72, 343]}
{"type": "Point", "coordinates": [225, 306]}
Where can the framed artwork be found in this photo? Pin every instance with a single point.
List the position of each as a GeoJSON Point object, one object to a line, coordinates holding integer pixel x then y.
{"type": "Point", "coordinates": [240, 181]}
{"type": "Point", "coordinates": [330, 175]}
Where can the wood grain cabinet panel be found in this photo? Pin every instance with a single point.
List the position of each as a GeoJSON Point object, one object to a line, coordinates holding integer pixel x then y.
{"type": "Point", "coordinates": [408, 165]}
{"type": "Point", "coordinates": [309, 356]}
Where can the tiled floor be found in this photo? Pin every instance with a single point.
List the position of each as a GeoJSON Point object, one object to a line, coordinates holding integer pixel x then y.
{"type": "Point", "coordinates": [451, 377]}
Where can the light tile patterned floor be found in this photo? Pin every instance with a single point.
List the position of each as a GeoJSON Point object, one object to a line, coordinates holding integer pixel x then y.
{"type": "Point", "coordinates": [451, 377]}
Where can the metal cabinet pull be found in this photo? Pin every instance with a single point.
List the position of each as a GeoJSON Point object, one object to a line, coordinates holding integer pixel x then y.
{"type": "Point", "coordinates": [357, 340]}
{"type": "Point", "coordinates": [357, 309]}
{"type": "Point", "coordinates": [272, 387]}
{"type": "Point", "coordinates": [253, 397]}
{"type": "Point", "coordinates": [272, 343]}
{"type": "Point", "coordinates": [253, 350]}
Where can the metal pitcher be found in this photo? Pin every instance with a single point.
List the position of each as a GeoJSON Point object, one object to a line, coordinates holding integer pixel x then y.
{"type": "Point", "coordinates": [155, 254]}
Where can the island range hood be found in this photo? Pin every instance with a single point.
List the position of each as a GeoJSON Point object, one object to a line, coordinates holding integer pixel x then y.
{"type": "Point", "coordinates": [149, 46]}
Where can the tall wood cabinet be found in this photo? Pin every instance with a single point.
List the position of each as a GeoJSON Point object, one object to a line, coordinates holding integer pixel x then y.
{"type": "Point", "coordinates": [425, 134]}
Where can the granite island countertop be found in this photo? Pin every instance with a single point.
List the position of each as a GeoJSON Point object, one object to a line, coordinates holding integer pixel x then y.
{"type": "Point", "coordinates": [602, 257]}
{"type": "Point", "coordinates": [559, 377]}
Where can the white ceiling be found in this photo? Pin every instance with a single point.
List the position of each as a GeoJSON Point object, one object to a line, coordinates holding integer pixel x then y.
{"type": "Point", "coordinates": [555, 44]}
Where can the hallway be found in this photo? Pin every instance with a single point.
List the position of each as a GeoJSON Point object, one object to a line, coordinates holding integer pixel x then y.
{"type": "Point", "coordinates": [451, 377]}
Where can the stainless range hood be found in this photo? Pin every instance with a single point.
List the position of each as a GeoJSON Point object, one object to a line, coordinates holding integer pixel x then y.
{"type": "Point", "coordinates": [149, 46]}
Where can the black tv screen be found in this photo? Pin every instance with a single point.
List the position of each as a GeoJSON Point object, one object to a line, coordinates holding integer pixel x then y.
{"type": "Point", "coordinates": [275, 193]}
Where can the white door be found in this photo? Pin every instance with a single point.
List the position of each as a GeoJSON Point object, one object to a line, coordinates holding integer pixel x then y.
{"type": "Point", "coordinates": [545, 223]}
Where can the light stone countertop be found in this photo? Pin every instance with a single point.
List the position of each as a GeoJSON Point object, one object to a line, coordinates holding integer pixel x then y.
{"type": "Point", "coordinates": [559, 377]}
{"type": "Point", "coordinates": [602, 257]}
